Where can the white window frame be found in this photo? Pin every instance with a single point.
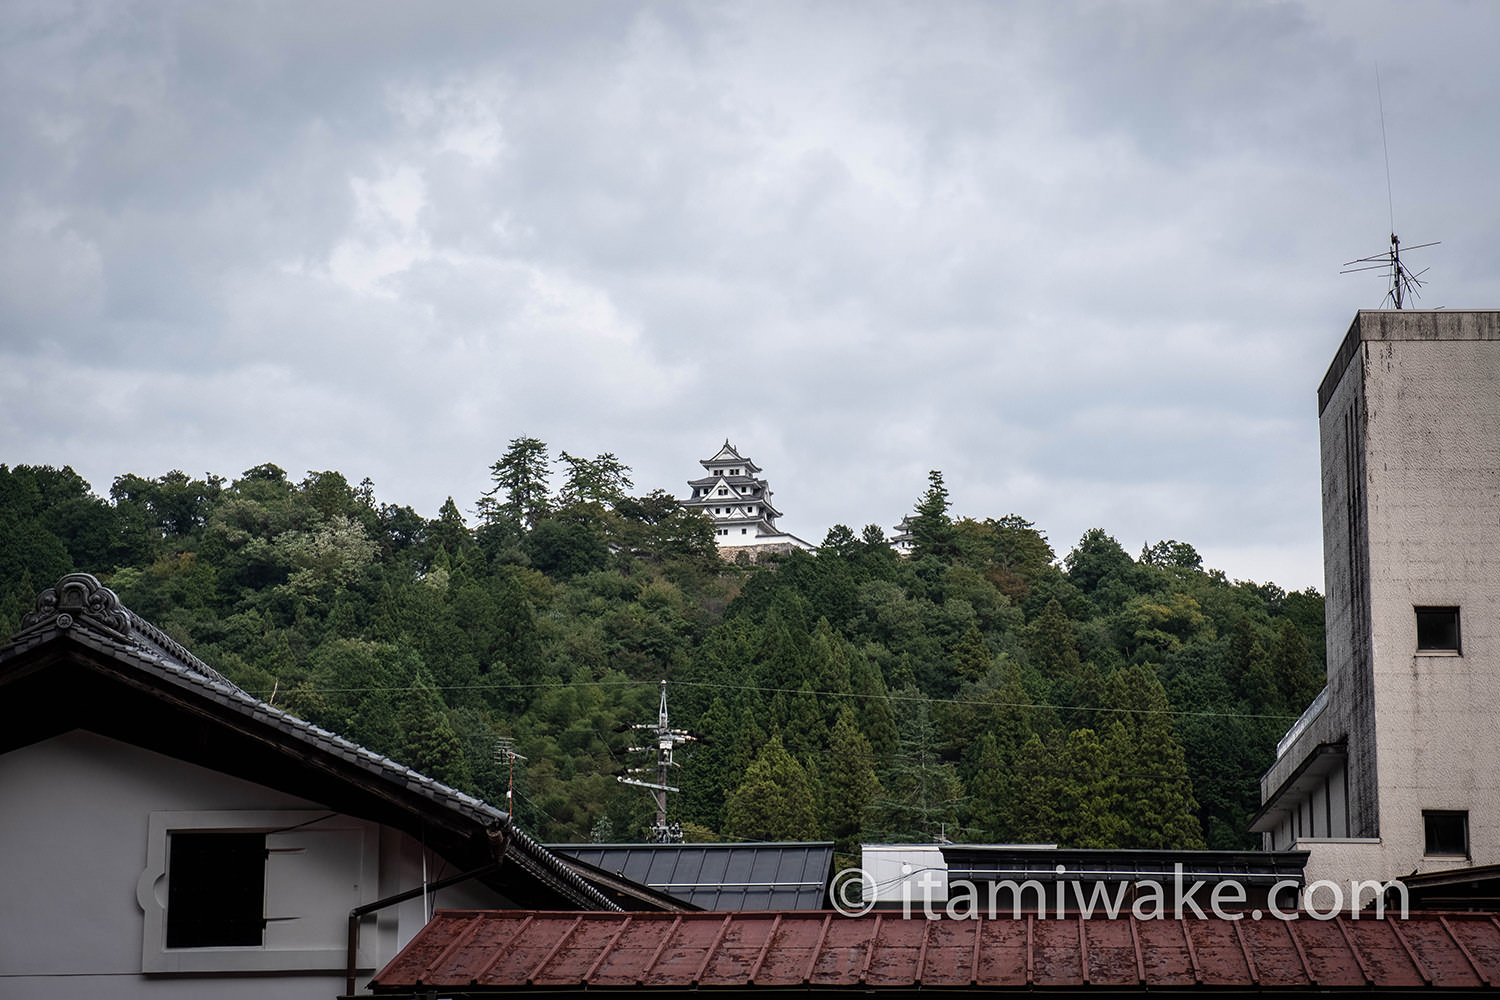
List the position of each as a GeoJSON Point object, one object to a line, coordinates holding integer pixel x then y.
{"type": "Point", "coordinates": [293, 947]}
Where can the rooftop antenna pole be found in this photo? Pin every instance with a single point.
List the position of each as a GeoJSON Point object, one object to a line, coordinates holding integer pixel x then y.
{"type": "Point", "coordinates": [666, 740]}
{"type": "Point", "coordinates": [1403, 282]}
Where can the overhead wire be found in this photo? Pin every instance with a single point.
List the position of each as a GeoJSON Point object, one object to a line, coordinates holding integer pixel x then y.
{"type": "Point", "coordinates": [890, 696]}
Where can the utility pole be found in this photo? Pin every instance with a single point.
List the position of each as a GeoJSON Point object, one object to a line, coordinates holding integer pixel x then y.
{"type": "Point", "coordinates": [505, 747]}
{"type": "Point", "coordinates": [666, 739]}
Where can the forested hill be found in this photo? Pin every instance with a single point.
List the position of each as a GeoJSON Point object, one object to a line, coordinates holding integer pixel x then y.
{"type": "Point", "coordinates": [981, 688]}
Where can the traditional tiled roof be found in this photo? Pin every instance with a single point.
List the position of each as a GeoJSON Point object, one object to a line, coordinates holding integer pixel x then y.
{"type": "Point", "coordinates": [728, 455]}
{"type": "Point", "coordinates": [495, 953]}
{"type": "Point", "coordinates": [721, 876]}
{"type": "Point", "coordinates": [80, 612]}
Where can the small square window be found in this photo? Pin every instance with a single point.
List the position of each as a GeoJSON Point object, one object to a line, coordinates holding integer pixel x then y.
{"type": "Point", "coordinates": [1447, 833]}
{"type": "Point", "coordinates": [216, 890]}
{"type": "Point", "coordinates": [1437, 630]}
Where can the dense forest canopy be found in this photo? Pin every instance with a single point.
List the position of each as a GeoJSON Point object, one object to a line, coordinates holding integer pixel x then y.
{"type": "Point", "coordinates": [980, 689]}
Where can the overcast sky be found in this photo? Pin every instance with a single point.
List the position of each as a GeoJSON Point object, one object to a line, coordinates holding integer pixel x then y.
{"type": "Point", "coordinates": [1082, 257]}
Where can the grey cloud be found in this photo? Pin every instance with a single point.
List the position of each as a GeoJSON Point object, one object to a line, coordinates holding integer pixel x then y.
{"type": "Point", "coordinates": [1082, 257]}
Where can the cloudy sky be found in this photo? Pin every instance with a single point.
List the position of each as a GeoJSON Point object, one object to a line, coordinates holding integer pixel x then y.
{"type": "Point", "coordinates": [1082, 257]}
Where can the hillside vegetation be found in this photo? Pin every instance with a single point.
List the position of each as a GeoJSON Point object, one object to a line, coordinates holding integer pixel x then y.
{"type": "Point", "coordinates": [980, 689]}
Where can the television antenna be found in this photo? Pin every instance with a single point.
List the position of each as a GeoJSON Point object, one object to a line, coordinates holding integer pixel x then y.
{"type": "Point", "coordinates": [505, 749]}
{"type": "Point", "coordinates": [666, 741]}
{"type": "Point", "coordinates": [1404, 283]}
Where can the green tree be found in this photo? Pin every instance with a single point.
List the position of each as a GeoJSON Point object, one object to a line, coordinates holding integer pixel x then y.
{"type": "Point", "coordinates": [971, 658]}
{"type": "Point", "coordinates": [427, 742]}
{"type": "Point", "coordinates": [1036, 805]}
{"type": "Point", "coordinates": [174, 504]}
{"type": "Point", "coordinates": [1293, 670]}
{"type": "Point", "coordinates": [774, 802]}
{"type": "Point", "coordinates": [923, 791]}
{"type": "Point", "coordinates": [849, 783]}
{"type": "Point", "coordinates": [601, 480]}
{"type": "Point", "coordinates": [1153, 792]}
{"type": "Point", "coordinates": [1098, 560]}
{"type": "Point", "coordinates": [520, 475]}
{"type": "Point", "coordinates": [932, 529]}
{"type": "Point", "coordinates": [1171, 554]}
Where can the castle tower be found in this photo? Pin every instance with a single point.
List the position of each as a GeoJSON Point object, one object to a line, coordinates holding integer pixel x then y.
{"type": "Point", "coordinates": [1395, 767]}
{"type": "Point", "coordinates": [737, 501]}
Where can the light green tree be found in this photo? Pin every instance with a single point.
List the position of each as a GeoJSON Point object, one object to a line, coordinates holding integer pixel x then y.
{"type": "Point", "coordinates": [774, 802]}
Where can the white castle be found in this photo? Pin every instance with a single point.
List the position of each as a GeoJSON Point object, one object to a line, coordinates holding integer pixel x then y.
{"type": "Point", "coordinates": [738, 503]}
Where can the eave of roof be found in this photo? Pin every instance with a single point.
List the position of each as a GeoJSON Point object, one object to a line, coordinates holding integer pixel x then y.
{"type": "Point", "coordinates": [79, 622]}
{"type": "Point", "coordinates": [498, 953]}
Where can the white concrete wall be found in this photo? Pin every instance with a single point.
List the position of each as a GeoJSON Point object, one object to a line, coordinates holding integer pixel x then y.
{"type": "Point", "coordinates": [1433, 459]}
{"type": "Point", "coordinates": [74, 844]}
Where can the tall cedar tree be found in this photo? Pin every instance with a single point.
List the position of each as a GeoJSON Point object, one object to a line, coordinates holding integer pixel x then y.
{"type": "Point", "coordinates": [774, 802]}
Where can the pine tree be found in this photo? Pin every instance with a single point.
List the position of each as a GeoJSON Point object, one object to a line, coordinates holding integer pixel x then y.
{"type": "Point", "coordinates": [923, 792]}
{"type": "Point", "coordinates": [521, 476]}
{"type": "Point", "coordinates": [1035, 802]}
{"type": "Point", "coordinates": [706, 772]}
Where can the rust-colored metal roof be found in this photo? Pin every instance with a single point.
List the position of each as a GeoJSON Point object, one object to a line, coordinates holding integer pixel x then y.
{"type": "Point", "coordinates": [507, 951]}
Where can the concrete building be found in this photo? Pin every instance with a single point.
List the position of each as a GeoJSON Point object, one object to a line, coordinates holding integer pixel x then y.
{"type": "Point", "coordinates": [1395, 768]}
{"type": "Point", "coordinates": [739, 504]}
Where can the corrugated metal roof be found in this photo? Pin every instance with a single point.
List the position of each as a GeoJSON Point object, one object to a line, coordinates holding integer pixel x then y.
{"type": "Point", "coordinates": [720, 876]}
{"type": "Point", "coordinates": [501, 952]}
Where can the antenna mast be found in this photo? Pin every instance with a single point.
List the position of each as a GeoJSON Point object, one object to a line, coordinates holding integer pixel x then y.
{"type": "Point", "coordinates": [666, 739]}
{"type": "Point", "coordinates": [505, 748]}
{"type": "Point", "coordinates": [1404, 284]}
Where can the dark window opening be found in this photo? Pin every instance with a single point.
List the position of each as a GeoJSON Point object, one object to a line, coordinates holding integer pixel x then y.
{"type": "Point", "coordinates": [1437, 628]}
{"type": "Point", "coordinates": [1447, 833]}
{"type": "Point", "coordinates": [216, 890]}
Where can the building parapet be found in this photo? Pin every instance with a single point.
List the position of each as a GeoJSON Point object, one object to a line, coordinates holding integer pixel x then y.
{"type": "Point", "coordinates": [1304, 720]}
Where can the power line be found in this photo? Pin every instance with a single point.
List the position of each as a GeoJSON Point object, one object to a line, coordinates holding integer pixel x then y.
{"type": "Point", "coordinates": [893, 697]}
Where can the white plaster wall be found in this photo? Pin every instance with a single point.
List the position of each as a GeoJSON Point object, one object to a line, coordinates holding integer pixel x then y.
{"type": "Point", "coordinates": [73, 842]}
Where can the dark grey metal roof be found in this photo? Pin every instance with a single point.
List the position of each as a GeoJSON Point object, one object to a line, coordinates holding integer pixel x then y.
{"type": "Point", "coordinates": [80, 610]}
{"type": "Point", "coordinates": [720, 876]}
